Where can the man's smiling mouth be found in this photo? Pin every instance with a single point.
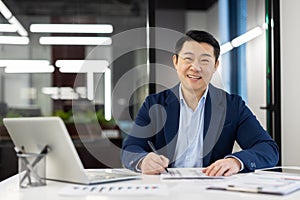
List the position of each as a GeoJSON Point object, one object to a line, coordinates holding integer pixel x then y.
{"type": "Point", "coordinates": [194, 77]}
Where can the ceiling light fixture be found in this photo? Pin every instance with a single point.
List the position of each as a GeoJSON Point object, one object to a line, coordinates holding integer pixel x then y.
{"type": "Point", "coordinates": [84, 66]}
{"type": "Point", "coordinates": [249, 35]}
{"type": "Point", "coordinates": [29, 69]}
{"type": "Point", "coordinates": [99, 65]}
{"type": "Point", "coordinates": [242, 39]}
{"type": "Point", "coordinates": [65, 93]}
{"type": "Point", "coordinates": [71, 28]}
{"type": "Point", "coordinates": [226, 47]}
{"type": "Point", "coordinates": [107, 95]}
{"type": "Point", "coordinates": [14, 40]}
{"type": "Point", "coordinates": [20, 63]}
{"type": "Point", "coordinates": [75, 40]}
{"type": "Point", "coordinates": [12, 19]}
{"type": "Point", "coordinates": [5, 11]}
{"type": "Point", "coordinates": [8, 28]}
{"type": "Point", "coordinates": [20, 29]}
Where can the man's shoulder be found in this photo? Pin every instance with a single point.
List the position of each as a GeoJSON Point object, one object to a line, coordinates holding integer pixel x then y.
{"type": "Point", "coordinates": [230, 98]}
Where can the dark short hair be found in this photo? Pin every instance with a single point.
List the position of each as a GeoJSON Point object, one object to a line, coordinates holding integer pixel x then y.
{"type": "Point", "coordinates": [198, 36]}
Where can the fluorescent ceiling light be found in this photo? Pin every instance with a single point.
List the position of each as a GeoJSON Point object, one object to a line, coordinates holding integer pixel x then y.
{"type": "Point", "coordinates": [225, 48]}
{"type": "Point", "coordinates": [50, 90]}
{"type": "Point", "coordinates": [20, 29]}
{"type": "Point", "coordinates": [11, 19]}
{"type": "Point", "coordinates": [20, 63]}
{"type": "Point", "coordinates": [82, 66]}
{"type": "Point", "coordinates": [75, 40]}
{"type": "Point", "coordinates": [253, 33]}
{"type": "Point", "coordinates": [5, 11]}
{"type": "Point", "coordinates": [60, 93]}
{"type": "Point", "coordinates": [8, 28]}
{"type": "Point", "coordinates": [71, 28]}
{"type": "Point", "coordinates": [29, 69]}
{"type": "Point", "coordinates": [14, 40]}
{"type": "Point", "coordinates": [82, 69]}
{"type": "Point", "coordinates": [107, 94]}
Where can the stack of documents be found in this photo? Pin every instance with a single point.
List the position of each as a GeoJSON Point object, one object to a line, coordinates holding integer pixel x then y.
{"type": "Point", "coordinates": [259, 183]}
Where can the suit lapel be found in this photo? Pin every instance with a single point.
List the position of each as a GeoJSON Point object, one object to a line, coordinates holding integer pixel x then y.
{"type": "Point", "coordinates": [172, 122]}
{"type": "Point", "coordinates": [215, 113]}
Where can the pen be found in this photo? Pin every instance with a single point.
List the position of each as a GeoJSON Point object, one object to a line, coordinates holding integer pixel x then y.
{"type": "Point", "coordinates": [43, 151]}
{"type": "Point", "coordinates": [21, 151]}
{"type": "Point", "coordinates": [243, 189]}
{"type": "Point", "coordinates": [155, 151]}
{"type": "Point", "coordinates": [237, 188]}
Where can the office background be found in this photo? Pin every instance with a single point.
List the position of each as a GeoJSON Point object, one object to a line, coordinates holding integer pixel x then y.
{"type": "Point", "coordinates": [243, 70]}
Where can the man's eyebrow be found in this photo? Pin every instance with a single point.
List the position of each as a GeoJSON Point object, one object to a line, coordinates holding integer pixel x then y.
{"type": "Point", "coordinates": [191, 53]}
{"type": "Point", "coordinates": [188, 53]}
{"type": "Point", "coordinates": [206, 54]}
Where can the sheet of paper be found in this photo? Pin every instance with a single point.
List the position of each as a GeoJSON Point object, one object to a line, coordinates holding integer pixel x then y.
{"type": "Point", "coordinates": [114, 189]}
{"type": "Point", "coordinates": [187, 173]}
{"type": "Point", "coordinates": [259, 183]}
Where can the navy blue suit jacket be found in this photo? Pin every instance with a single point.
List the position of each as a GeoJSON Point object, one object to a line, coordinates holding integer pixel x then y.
{"type": "Point", "coordinates": [227, 119]}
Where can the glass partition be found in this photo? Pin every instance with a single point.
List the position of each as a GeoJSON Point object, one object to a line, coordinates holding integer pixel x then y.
{"type": "Point", "coordinates": [65, 58]}
{"type": "Point", "coordinates": [48, 87]}
{"type": "Point", "coordinates": [99, 73]}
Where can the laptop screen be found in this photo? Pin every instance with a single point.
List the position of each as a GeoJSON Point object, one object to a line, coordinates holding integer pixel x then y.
{"type": "Point", "coordinates": [62, 161]}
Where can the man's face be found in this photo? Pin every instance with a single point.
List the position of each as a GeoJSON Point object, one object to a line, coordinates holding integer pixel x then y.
{"type": "Point", "coordinates": [195, 66]}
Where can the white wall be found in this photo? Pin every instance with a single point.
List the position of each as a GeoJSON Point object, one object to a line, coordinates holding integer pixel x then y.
{"type": "Point", "coordinates": [290, 71]}
{"type": "Point", "coordinates": [256, 62]}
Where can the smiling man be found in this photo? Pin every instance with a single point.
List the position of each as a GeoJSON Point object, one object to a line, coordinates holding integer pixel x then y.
{"type": "Point", "coordinates": [196, 124]}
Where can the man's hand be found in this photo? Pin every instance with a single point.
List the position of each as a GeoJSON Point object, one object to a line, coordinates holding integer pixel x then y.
{"type": "Point", "coordinates": [223, 167]}
{"type": "Point", "coordinates": [153, 164]}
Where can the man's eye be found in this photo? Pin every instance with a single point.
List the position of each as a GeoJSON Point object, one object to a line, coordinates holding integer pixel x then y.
{"type": "Point", "coordinates": [188, 59]}
{"type": "Point", "coordinates": [204, 62]}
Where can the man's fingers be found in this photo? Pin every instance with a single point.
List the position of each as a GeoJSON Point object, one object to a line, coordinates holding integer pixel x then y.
{"type": "Point", "coordinates": [223, 167]}
{"type": "Point", "coordinates": [213, 170]}
{"type": "Point", "coordinates": [165, 161]}
{"type": "Point", "coordinates": [229, 172]}
{"type": "Point", "coordinates": [160, 159]}
{"type": "Point", "coordinates": [154, 164]}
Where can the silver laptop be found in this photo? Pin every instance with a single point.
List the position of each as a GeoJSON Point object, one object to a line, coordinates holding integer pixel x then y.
{"type": "Point", "coordinates": [62, 162]}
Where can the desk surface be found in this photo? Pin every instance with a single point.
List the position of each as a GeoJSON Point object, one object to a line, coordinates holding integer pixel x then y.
{"type": "Point", "coordinates": [177, 189]}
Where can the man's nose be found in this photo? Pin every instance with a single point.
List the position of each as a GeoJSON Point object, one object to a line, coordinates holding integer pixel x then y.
{"type": "Point", "coordinates": [196, 66]}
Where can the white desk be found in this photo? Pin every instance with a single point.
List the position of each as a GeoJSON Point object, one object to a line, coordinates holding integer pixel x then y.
{"type": "Point", "coordinates": [193, 189]}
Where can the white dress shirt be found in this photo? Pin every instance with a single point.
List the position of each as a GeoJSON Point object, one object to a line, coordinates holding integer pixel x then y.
{"type": "Point", "coordinates": [189, 148]}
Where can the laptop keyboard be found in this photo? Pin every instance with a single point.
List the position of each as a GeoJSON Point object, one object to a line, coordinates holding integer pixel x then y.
{"type": "Point", "coordinates": [97, 175]}
{"type": "Point", "coordinates": [93, 176]}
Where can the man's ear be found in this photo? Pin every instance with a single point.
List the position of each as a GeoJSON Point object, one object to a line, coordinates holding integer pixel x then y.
{"type": "Point", "coordinates": [217, 64]}
{"type": "Point", "coordinates": [175, 60]}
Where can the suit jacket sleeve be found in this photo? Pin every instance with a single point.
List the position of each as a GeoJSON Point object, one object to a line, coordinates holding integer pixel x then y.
{"type": "Point", "coordinates": [135, 146]}
{"type": "Point", "coordinates": [259, 150]}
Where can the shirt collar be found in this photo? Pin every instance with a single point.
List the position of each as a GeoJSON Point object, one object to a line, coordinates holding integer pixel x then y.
{"type": "Point", "coordinates": [182, 100]}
